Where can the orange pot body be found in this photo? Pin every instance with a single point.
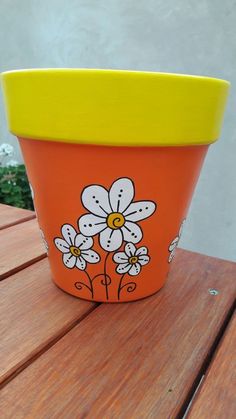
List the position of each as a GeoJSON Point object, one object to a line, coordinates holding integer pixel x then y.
{"type": "Point", "coordinates": [163, 177]}
{"type": "Point", "coordinates": [113, 157]}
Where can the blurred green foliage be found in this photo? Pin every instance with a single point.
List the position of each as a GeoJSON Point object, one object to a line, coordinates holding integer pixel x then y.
{"type": "Point", "coordinates": [14, 187]}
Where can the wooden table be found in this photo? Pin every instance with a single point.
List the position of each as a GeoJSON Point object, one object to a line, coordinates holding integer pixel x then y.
{"type": "Point", "coordinates": [167, 356]}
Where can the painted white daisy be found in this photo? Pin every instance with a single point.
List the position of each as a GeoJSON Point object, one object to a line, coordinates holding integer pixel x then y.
{"type": "Point", "coordinates": [32, 195]}
{"type": "Point", "coordinates": [113, 215]}
{"type": "Point", "coordinates": [175, 242]}
{"type": "Point", "coordinates": [131, 260]}
{"type": "Point", "coordinates": [31, 190]}
{"type": "Point", "coordinates": [44, 240]}
{"type": "Point", "coordinates": [76, 248]}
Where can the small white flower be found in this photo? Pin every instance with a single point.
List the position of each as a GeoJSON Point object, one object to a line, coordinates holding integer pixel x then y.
{"type": "Point", "coordinates": [12, 163]}
{"type": "Point", "coordinates": [76, 248]}
{"type": "Point", "coordinates": [174, 243]}
{"type": "Point", "coordinates": [44, 240]}
{"type": "Point", "coordinates": [6, 150]}
{"type": "Point", "coordinates": [113, 215]}
{"type": "Point", "coordinates": [131, 260]}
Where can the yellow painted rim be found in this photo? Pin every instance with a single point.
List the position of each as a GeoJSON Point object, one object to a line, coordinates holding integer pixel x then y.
{"type": "Point", "coordinates": [114, 107]}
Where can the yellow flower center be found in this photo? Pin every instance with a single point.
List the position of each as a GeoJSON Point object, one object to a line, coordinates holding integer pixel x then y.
{"type": "Point", "coordinates": [115, 220]}
{"type": "Point", "coordinates": [75, 251]}
{"type": "Point", "coordinates": [133, 260]}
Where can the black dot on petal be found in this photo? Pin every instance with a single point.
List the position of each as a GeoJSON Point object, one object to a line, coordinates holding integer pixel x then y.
{"type": "Point", "coordinates": [97, 202]}
{"type": "Point", "coordinates": [90, 225]}
{"type": "Point", "coordinates": [84, 241]}
{"type": "Point", "coordinates": [108, 245]}
{"type": "Point", "coordinates": [108, 241]}
{"type": "Point", "coordinates": [121, 190]}
{"type": "Point", "coordinates": [119, 195]}
{"type": "Point", "coordinates": [140, 210]}
{"type": "Point", "coordinates": [132, 234]}
{"type": "Point", "coordinates": [85, 225]}
{"type": "Point", "coordinates": [146, 208]}
{"type": "Point", "coordinates": [92, 256]}
{"type": "Point", "coordinates": [94, 196]}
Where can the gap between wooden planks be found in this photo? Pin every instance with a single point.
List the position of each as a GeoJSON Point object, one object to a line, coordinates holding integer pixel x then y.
{"type": "Point", "coordinates": [20, 245]}
{"type": "Point", "coordinates": [10, 216]}
{"type": "Point", "coordinates": [34, 313]}
{"type": "Point", "coordinates": [131, 360]}
{"type": "Point", "coordinates": [216, 397]}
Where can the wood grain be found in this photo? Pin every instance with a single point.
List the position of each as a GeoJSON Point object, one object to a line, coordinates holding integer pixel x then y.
{"type": "Point", "coordinates": [10, 216]}
{"type": "Point", "coordinates": [216, 397]}
{"type": "Point", "coordinates": [33, 313]}
{"type": "Point", "coordinates": [133, 360]}
{"type": "Point", "coordinates": [20, 245]}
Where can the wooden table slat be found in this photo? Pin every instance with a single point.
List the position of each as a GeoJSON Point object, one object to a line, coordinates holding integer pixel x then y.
{"type": "Point", "coordinates": [10, 216]}
{"type": "Point", "coordinates": [33, 314]}
{"type": "Point", "coordinates": [130, 360]}
{"type": "Point", "coordinates": [216, 397]}
{"type": "Point", "coordinates": [20, 245]}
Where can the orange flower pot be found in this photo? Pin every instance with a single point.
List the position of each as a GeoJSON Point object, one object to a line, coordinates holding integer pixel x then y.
{"type": "Point", "coordinates": [113, 158]}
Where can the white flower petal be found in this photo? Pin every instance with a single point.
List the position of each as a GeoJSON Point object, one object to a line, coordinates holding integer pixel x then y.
{"type": "Point", "coordinates": [90, 256]}
{"type": "Point", "coordinates": [139, 210]}
{"type": "Point", "coordinates": [141, 251]}
{"type": "Point", "coordinates": [174, 244]}
{"type": "Point", "coordinates": [95, 199]}
{"type": "Point", "coordinates": [132, 232]}
{"type": "Point", "coordinates": [69, 260]}
{"type": "Point", "coordinates": [62, 245]}
{"type": "Point", "coordinates": [110, 240]}
{"type": "Point", "coordinates": [80, 263]}
{"type": "Point", "coordinates": [90, 224]}
{"type": "Point", "coordinates": [171, 256]}
{"type": "Point", "coordinates": [82, 242]}
{"type": "Point", "coordinates": [143, 260]}
{"type": "Point", "coordinates": [31, 190]}
{"type": "Point", "coordinates": [122, 268]}
{"type": "Point", "coordinates": [130, 249]}
{"type": "Point", "coordinates": [69, 234]}
{"type": "Point", "coordinates": [135, 269]}
{"type": "Point", "coordinates": [120, 257]}
{"type": "Point", "coordinates": [121, 194]}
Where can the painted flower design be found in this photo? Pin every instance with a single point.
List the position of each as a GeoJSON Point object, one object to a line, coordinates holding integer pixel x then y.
{"type": "Point", "coordinates": [33, 196]}
{"type": "Point", "coordinates": [131, 260]}
{"type": "Point", "coordinates": [175, 242]}
{"type": "Point", "coordinates": [44, 240]}
{"type": "Point", "coordinates": [76, 248]}
{"type": "Point", "coordinates": [31, 190]}
{"type": "Point", "coordinates": [113, 214]}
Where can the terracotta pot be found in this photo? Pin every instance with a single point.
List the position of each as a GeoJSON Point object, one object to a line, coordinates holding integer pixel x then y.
{"type": "Point", "coordinates": [113, 158]}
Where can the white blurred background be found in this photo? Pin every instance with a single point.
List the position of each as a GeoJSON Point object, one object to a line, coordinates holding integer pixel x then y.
{"type": "Point", "coordinates": [181, 36]}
